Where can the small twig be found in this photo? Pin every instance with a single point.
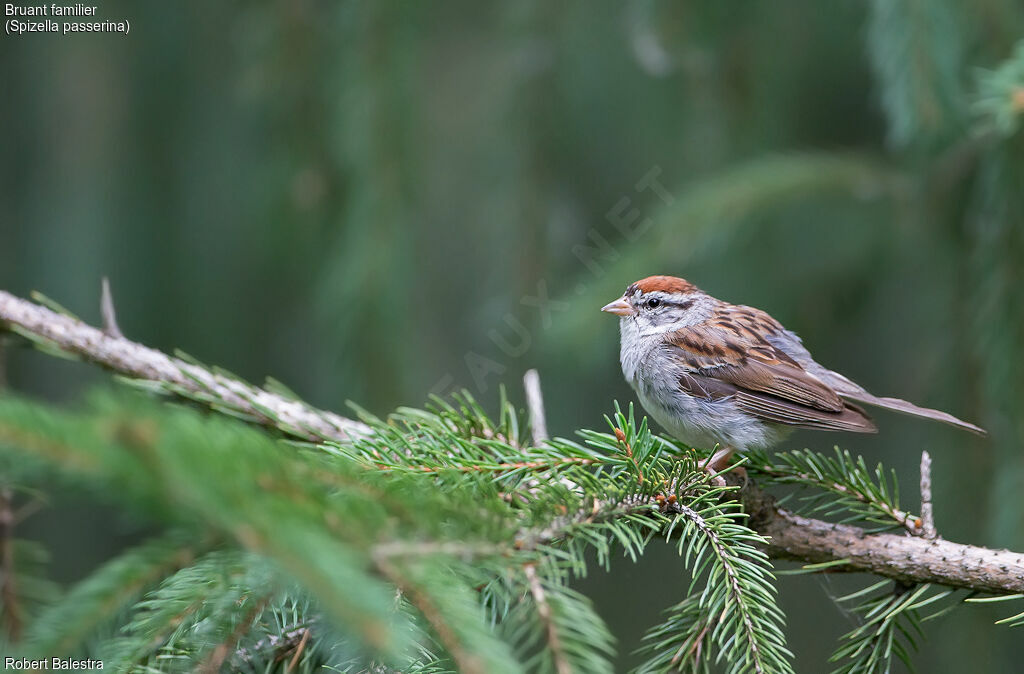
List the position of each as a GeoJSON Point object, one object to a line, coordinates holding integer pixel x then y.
{"type": "Point", "coordinates": [499, 467]}
{"type": "Point", "coordinates": [465, 660]}
{"type": "Point", "coordinates": [562, 526]}
{"type": "Point", "coordinates": [110, 328]}
{"type": "Point", "coordinates": [535, 405]}
{"type": "Point", "coordinates": [697, 647]}
{"type": "Point", "coordinates": [298, 651]}
{"type": "Point", "coordinates": [562, 665]}
{"type": "Point", "coordinates": [927, 513]}
{"type": "Point", "coordinates": [905, 519]}
{"type": "Point", "coordinates": [8, 591]}
{"type": "Point", "coordinates": [620, 435]}
{"type": "Point", "coordinates": [458, 549]}
{"type": "Point", "coordinates": [219, 654]}
{"type": "Point", "coordinates": [282, 643]}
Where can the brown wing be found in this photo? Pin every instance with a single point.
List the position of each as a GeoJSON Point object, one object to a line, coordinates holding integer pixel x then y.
{"type": "Point", "coordinates": [728, 355]}
{"type": "Point", "coordinates": [777, 410]}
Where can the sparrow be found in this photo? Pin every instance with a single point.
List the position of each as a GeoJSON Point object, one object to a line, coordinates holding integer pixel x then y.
{"type": "Point", "coordinates": [715, 374]}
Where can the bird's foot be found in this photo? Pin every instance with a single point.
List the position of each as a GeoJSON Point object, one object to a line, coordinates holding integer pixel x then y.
{"type": "Point", "coordinates": [718, 462]}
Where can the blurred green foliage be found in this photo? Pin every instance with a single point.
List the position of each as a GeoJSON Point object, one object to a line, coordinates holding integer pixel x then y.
{"type": "Point", "coordinates": [371, 201]}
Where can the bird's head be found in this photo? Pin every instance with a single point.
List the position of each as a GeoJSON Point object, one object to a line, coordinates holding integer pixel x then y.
{"type": "Point", "coordinates": [659, 303]}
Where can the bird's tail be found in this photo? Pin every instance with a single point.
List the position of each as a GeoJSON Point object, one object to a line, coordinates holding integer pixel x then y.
{"type": "Point", "coordinates": [897, 405]}
{"type": "Point", "coordinates": [851, 391]}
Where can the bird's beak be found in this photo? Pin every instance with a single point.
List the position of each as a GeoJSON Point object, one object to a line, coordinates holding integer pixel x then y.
{"type": "Point", "coordinates": [620, 307]}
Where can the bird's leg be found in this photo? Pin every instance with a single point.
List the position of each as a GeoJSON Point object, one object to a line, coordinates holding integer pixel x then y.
{"type": "Point", "coordinates": [719, 461]}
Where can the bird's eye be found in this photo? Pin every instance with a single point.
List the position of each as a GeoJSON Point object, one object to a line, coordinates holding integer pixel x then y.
{"type": "Point", "coordinates": [653, 302]}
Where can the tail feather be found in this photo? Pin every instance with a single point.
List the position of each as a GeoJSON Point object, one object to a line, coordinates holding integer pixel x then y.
{"type": "Point", "coordinates": [850, 390]}
{"type": "Point", "coordinates": [897, 405]}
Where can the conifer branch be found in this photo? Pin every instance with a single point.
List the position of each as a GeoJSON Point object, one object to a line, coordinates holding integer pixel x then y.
{"type": "Point", "coordinates": [499, 467]}
{"type": "Point", "coordinates": [846, 477]}
{"type": "Point", "coordinates": [562, 665]}
{"type": "Point", "coordinates": [221, 651]}
{"type": "Point", "coordinates": [279, 644]}
{"type": "Point", "coordinates": [298, 650]}
{"type": "Point", "coordinates": [738, 597]}
{"type": "Point", "coordinates": [50, 330]}
{"type": "Point", "coordinates": [110, 590]}
{"type": "Point", "coordinates": [467, 661]}
{"type": "Point", "coordinates": [908, 559]}
{"type": "Point", "coordinates": [911, 560]}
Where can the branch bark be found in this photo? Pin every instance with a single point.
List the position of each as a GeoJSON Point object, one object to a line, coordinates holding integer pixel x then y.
{"type": "Point", "coordinates": [902, 557]}
{"type": "Point", "coordinates": [173, 375]}
{"type": "Point", "coordinates": [908, 559]}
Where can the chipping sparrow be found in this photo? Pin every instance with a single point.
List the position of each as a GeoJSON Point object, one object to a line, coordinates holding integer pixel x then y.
{"type": "Point", "coordinates": [713, 373]}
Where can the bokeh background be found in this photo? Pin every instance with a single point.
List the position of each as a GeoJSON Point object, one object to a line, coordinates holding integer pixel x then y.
{"type": "Point", "coordinates": [373, 201]}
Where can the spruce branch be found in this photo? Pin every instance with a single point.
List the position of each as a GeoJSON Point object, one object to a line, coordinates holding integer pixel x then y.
{"type": "Point", "coordinates": [451, 612]}
{"type": "Point", "coordinates": [885, 618]}
{"type": "Point", "coordinates": [97, 600]}
{"type": "Point", "coordinates": [792, 536]}
{"type": "Point", "coordinates": [908, 559]}
{"type": "Point", "coordinates": [277, 644]}
{"type": "Point", "coordinates": [562, 665]}
{"type": "Point", "coordinates": [368, 500]}
{"type": "Point", "coordinates": [558, 624]}
{"type": "Point", "coordinates": [199, 612]}
{"type": "Point", "coordinates": [738, 605]}
{"type": "Point", "coordinates": [864, 494]}
{"type": "Point", "coordinates": [226, 648]}
{"type": "Point", "coordinates": [298, 650]}
{"type": "Point", "coordinates": [64, 334]}
{"type": "Point", "coordinates": [498, 467]}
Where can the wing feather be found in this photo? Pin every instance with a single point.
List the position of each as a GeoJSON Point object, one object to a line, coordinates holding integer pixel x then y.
{"type": "Point", "coordinates": [730, 355]}
{"type": "Point", "coordinates": [775, 410]}
{"type": "Point", "coordinates": [732, 346]}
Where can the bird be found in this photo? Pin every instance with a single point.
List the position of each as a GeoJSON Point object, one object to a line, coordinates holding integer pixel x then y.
{"type": "Point", "coordinates": [729, 377]}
